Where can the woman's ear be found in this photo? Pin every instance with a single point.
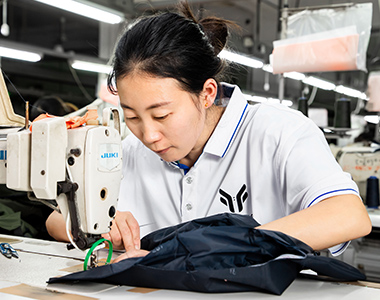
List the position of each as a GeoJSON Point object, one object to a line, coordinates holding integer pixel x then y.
{"type": "Point", "coordinates": [210, 89]}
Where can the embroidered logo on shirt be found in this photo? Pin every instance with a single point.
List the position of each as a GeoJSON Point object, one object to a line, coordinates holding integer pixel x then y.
{"type": "Point", "coordinates": [230, 201]}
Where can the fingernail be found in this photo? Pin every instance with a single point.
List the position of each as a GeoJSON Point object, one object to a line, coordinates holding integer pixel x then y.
{"type": "Point", "coordinates": [137, 247]}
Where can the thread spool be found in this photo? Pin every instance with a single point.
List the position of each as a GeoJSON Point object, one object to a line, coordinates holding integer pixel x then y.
{"type": "Point", "coordinates": [342, 118]}
{"type": "Point", "coordinates": [372, 197]}
{"type": "Point", "coordinates": [303, 106]}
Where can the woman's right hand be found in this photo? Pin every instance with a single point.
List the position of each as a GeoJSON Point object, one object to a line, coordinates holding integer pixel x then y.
{"type": "Point", "coordinates": [130, 254]}
{"type": "Point", "coordinates": [125, 232]}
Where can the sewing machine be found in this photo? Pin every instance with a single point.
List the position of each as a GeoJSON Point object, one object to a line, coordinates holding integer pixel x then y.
{"type": "Point", "coordinates": [362, 162]}
{"type": "Point", "coordinates": [76, 171]}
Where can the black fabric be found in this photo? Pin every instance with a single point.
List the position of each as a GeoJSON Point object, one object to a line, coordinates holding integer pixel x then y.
{"type": "Point", "coordinates": [221, 253]}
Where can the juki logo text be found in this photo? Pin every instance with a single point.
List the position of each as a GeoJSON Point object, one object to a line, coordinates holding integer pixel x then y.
{"type": "Point", "coordinates": [110, 155]}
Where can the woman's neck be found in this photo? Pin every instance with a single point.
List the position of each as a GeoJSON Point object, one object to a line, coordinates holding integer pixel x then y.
{"type": "Point", "coordinates": [214, 114]}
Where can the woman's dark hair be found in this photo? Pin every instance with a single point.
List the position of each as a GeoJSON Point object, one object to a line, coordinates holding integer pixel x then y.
{"type": "Point", "coordinates": [175, 46]}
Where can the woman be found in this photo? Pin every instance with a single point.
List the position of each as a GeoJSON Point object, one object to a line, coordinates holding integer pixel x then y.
{"type": "Point", "coordinates": [199, 149]}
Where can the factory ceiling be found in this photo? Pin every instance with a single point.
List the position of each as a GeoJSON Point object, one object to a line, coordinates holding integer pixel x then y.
{"type": "Point", "coordinates": [62, 36]}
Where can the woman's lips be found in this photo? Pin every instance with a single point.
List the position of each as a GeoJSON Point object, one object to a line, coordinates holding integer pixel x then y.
{"type": "Point", "coordinates": [163, 151]}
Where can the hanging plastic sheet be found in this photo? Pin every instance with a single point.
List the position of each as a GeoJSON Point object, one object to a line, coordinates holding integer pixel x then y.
{"type": "Point", "coordinates": [221, 253]}
{"type": "Point", "coordinates": [329, 39]}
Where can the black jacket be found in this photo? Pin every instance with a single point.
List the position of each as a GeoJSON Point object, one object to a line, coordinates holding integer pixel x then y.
{"type": "Point", "coordinates": [221, 253]}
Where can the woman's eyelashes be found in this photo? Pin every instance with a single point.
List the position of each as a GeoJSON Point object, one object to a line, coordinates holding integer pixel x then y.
{"type": "Point", "coordinates": [159, 117]}
{"type": "Point", "coordinates": [131, 118]}
{"type": "Point", "coordinates": [163, 117]}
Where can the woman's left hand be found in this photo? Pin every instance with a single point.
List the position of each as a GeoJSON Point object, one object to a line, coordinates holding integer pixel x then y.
{"type": "Point", "coordinates": [130, 254]}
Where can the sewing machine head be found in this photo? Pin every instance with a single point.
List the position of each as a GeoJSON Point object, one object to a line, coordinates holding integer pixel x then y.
{"type": "Point", "coordinates": [77, 171]}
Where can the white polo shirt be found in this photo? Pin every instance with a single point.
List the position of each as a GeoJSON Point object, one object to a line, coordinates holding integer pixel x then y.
{"type": "Point", "coordinates": [264, 160]}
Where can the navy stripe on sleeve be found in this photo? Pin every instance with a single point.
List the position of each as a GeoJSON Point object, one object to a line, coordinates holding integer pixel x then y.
{"type": "Point", "coordinates": [330, 193]}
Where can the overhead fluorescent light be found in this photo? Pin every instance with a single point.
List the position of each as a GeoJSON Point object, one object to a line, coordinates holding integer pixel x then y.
{"type": "Point", "coordinates": [295, 75]}
{"type": "Point", "coordinates": [319, 83]}
{"type": "Point", "coordinates": [91, 67]}
{"type": "Point", "coordinates": [350, 92]}
{"type": "Point", "coordinates": [87, 9]}
{"type": "Point", "coordinates": [261, 99]}
{"type": "Point", "coordinates": [273, 100]}
{"type": "Point", "coordinates": [268, 68]}
{"type": "Point", "coordinates": [292, 75]}
{"type": "Point", "coordinates": [19, 54]}
{"type": "Point", "coordinates": [287, 102]}
{"type": "Point", "coordinates": [241, 59]}
{"type": "Point", "coordinates": [374, 119]}
{"type": "Point", "coordinates": [248, 97]}
{"type": "Point", "coordinates": [284, 102]}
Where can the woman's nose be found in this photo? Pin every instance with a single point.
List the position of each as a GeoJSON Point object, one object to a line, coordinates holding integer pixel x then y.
{"type": "Point", "coordinates": [151, 134]}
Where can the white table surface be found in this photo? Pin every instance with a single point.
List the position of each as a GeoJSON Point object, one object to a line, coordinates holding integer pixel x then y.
{"type": "Point", "coordinates": [40, 260]}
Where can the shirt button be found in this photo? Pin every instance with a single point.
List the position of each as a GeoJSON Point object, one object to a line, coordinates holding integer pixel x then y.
{"type": "Point", "coordinates": [189, 206]}
{"type": "Point", "coordinates": [189, 180]}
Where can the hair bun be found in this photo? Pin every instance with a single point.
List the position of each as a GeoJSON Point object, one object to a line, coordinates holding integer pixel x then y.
{"type": "Point", "coordinates": [216, 31]}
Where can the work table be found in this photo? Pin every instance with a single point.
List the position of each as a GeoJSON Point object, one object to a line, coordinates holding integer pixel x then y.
{"type": "Point", "coordinates": [40, 260]}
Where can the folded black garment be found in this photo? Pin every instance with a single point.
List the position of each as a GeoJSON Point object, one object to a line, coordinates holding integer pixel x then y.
{"type": "Point", "coordinates": [221, 253]}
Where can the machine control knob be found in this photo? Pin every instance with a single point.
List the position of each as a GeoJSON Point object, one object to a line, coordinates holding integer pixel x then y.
{"type": "Point", "coordinates": [112, 211]}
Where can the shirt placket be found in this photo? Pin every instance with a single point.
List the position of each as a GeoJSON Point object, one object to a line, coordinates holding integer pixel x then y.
{"type": "Point", "coordinates": [189, 192]}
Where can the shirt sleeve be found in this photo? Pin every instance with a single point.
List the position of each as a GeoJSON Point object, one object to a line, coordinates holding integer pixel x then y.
{"type": "Point", "coordinates": [309, 172]}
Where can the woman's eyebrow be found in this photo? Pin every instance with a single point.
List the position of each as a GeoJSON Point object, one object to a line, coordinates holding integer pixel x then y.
{"type": "Point", "coordinates": [155, 105]}
{"type": "Point", "coordinates": [159, 104]}
{"type": "Point", "coordinates": [125, 106]}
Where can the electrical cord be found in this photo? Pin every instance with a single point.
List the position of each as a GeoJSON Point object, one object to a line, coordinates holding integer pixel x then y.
{"type": "Point", "coordinates": [359, 106]}
{"type": "Point", "coordinates": [312, 96]}
{"type": "Point", "coordinates": [18, 93]}
{"type": "Point", "coordinates": [69, 234]}
{"type": "Point", "coordinates": [79, 83]}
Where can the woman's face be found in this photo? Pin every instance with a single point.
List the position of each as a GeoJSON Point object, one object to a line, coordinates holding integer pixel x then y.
{"type": "Point", "coordinates": [162, 115]}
